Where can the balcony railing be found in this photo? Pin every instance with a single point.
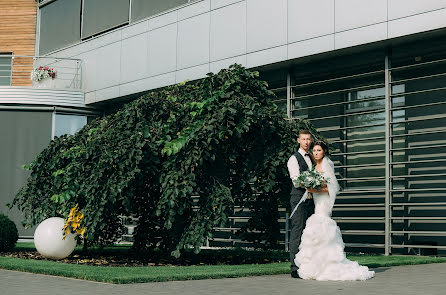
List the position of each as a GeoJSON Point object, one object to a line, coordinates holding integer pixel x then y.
{"type": "Point", "coordinates": [16, 70]}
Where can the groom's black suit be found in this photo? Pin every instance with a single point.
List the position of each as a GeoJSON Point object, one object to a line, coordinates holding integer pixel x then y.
{"type": "Point", "coordinates": [298, 220]}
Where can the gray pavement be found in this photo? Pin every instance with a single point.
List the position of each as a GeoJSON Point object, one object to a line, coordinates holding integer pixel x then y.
{"type": "Point", "coordinates": [429, 279]}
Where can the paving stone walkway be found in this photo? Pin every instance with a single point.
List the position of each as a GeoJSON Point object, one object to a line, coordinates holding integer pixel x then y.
{"type": "Point", "coordinates": [428, 279]}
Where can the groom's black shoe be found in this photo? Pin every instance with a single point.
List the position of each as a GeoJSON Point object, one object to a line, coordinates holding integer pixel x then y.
{"type": "Point", "coordinates": [295, 275]}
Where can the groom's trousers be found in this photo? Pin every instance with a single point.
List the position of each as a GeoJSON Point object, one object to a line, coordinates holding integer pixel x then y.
{"type": "Point", "coordinates": [297, 224]}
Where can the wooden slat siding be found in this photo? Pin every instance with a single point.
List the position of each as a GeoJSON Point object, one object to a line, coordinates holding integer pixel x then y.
{"type": "Point", "coordinates": [18, 36]}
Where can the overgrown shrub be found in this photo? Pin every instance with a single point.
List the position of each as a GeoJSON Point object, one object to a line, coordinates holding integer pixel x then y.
{"type": "Point", "coordinates": [220, 138]}
{"type": "Point", "coordinates": [8, 233]}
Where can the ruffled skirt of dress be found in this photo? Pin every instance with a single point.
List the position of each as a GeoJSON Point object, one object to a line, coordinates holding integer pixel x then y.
{"type": "Point", "coordinates": [321, 253]}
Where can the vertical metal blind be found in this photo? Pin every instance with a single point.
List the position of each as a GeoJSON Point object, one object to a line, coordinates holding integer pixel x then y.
{"type": "Point", "coordinates": [59, 25]}
{"type": "Point", "coordinates": [389, 149]}
{"type": "Point", "coordinates": [102, 15]}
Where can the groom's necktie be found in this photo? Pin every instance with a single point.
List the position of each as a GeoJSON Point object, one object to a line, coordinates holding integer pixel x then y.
{"type": "Point", "coordinates": [307, 154]}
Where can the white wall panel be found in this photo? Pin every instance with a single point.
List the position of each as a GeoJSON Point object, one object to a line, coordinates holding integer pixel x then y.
{"type": "Point", "coordinates": [194, 9]}
{"type": "Point", "coordinates": [89, 69]}
{"type": "Point", "coordinates": [163, 20]}
{"type": "Point", "coordinates": [193, 41]}
{"type": "Point", "coordinates": [212, 34]}
{"type": "Point", "coordinates": [216, 66]}
{"type": "Point", "coordinates": [220, 3]}
{"type": "Point", "coordinates": [72, 51]}
{"type": "Point", "coordinates": [192, 73]}
{"type": "Point", "coordinates": [362, 35]}
{"type": "Point", "coordinates": [417, 23]}
{"type": "Point", "coordinates": [402, 8]}
{"type": "Point", "coordinates": [161, 81]}
{"type": "Point", "coordinates": [311, 46]}
{"type": "Point", "coordinates": [103, 40]}
{"type": "Point", "coordinates": [162, 50]}
{"type": "Point", "coordinates": [267, 56]}
{"type": "Point", "coordinates": [90, 97]}
{"type": "Point", "coordinates": [266, 24]}
{"type": "Point", "coordinates": [107, 93]}
{"type": "Point", "coordinates": [228, 38]}
{"type": "Point", "coordinates": [310, 19]}
{"type": "Point", "coordinates": [135, 29]}
{"type": "Point", "coordinates": [147, 83]}
{"type": "Point", "coordinates": [350, 14]}
{"type": "Point", "coordinates": [108, 66]}
{"type": "Point", "coordinates": [134, 58]}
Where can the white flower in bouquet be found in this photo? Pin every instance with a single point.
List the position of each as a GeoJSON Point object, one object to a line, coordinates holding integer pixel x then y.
{"type": "Point", "coordinates": [311, 179]}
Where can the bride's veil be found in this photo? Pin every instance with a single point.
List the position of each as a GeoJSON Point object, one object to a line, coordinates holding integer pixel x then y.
{"type": "Point", "coordinates": [332, 185]}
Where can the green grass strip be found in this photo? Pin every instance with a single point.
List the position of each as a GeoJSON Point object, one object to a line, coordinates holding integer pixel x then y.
{"type": "Point", "coordinates": [386, 261]}
{"type": "Point", "coordinates": [125, 275]}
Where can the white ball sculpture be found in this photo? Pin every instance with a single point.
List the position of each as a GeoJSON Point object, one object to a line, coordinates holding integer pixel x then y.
{"type": "Point", "coordinates": [48, 239]}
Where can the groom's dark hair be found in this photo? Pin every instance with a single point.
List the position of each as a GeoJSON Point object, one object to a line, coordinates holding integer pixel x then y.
{"type": "Point", "coordinates": [304, 131]}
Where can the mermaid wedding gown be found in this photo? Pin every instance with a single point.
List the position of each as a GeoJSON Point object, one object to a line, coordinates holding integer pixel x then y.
{"type": "Point", "coordinates": [321, 253]}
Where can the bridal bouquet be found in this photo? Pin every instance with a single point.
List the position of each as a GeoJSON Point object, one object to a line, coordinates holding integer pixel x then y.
{"type": "Point", "coordinates": [310, 179]}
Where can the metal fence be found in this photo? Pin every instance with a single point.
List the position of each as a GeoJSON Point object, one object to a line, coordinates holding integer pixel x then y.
{"type": "Point", "coordinates": [387, 130]}
{"type": "Point", "coordinates": [16, 70]}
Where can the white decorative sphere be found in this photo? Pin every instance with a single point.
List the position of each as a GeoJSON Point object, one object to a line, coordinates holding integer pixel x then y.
{"type": "Point", "coordinates": [48, 239]}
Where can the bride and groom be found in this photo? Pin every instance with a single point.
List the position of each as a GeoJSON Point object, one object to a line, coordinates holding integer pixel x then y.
{"type": "Point", "coordinates": [316, 246]}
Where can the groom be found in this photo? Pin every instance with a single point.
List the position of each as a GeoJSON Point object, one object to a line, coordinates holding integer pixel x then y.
{"type": "Point", "coordinates": [299, 162]}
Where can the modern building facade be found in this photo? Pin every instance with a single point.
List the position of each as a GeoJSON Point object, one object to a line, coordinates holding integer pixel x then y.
{"type": "Point", "coordinates": [31, 113]}
{"type": "Point", "coordinates": [369, 74]}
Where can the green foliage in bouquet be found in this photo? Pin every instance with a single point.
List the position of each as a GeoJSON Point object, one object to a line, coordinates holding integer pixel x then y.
{"type": "Point", "coordinates": [220, 138]}
{"type": "Point", "coordinates": [311, 179]}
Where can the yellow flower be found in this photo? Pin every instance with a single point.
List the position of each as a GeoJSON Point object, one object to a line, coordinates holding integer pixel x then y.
{"type": "Point", "coordinates": [73, 223]}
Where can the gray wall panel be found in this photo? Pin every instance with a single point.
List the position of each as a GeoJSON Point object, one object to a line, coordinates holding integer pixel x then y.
{"type": "Point", "coordinates": [23, 135]}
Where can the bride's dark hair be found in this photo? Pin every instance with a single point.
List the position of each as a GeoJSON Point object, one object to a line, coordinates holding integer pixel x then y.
{"type": "Point", "coordinates": [323, 145]}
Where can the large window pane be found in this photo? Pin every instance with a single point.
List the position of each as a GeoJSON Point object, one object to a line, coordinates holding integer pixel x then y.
{"type": "Point", "coordinates": [102, 15]}
{"type": "Point", "coordinates": [69, 124]}
{"type": "Point", "coordinates": [59, 25]}
{"type": "Point", "coordinates": [24, 134]}
{"type": "Point", "coordinates": [143, 8]}
{"type": "Point", "coordinates": [5, 70]}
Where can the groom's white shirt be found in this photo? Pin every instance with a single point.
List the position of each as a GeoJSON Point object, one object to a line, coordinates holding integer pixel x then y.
{"type": "Point", "coordinates": [293, 165]}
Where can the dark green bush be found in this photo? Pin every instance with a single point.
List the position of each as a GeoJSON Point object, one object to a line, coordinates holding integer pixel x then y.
{"type": "Point", "coordinates": [220, 138]}
{"type": "Point", "coordinates": [8, 234]}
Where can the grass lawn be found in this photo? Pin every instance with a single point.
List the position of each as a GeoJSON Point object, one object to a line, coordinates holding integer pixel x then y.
{"type": "Point", "coordinates": [139, 274]}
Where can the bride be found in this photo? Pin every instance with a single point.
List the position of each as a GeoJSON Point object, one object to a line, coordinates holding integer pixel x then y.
{"type": "Point", "coordinates": [321, 253]}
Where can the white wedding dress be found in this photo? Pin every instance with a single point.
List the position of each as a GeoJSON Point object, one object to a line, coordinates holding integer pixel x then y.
{"type": "Point", "coordinates": [321, 253]}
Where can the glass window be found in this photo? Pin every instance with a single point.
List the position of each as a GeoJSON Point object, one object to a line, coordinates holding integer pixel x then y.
{"type": "Point", "coordinates": [59, 25]}
{"type": "Point", "coordinates": [68, 124]}
{"type": "Point", "coordinates": [5, 70]}
{"type": "Point", "coordinates": [143, 8]}
{"type": "Point", "coordinates": [102, 15]}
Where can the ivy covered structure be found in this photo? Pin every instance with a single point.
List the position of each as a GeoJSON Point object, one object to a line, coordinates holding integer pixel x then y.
{"type": "Point", "coordinates": [220, 138]}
